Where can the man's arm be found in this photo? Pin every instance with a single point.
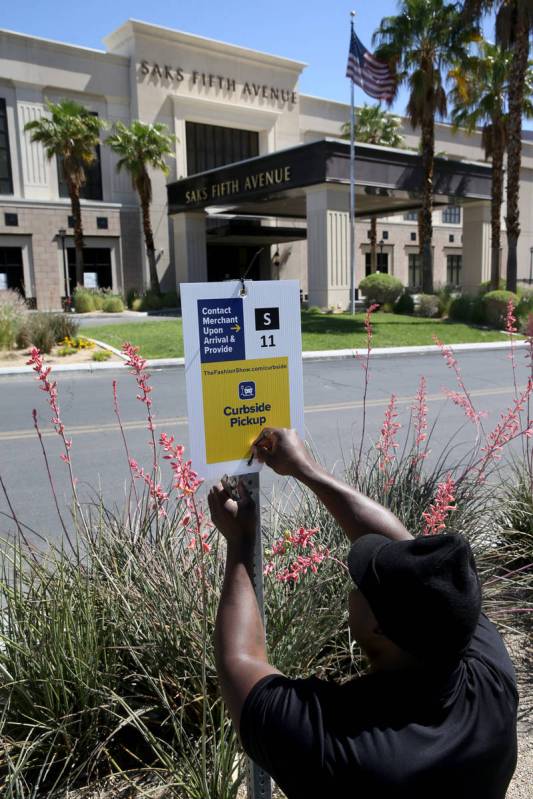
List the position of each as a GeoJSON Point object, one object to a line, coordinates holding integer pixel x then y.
{"type": "Point", "coordinates": [284, 451]}
{"type": "Point", "coordinates": [240, 651]}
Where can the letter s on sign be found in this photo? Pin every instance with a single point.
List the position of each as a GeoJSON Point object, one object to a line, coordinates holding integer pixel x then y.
{"type": "Point", "coordinates": [145, 67]}
{"type": "Point", "coordinates": [266, 319]}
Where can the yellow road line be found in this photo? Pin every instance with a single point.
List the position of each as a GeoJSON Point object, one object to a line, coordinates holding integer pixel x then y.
{"type": "Point", "coordinates": [15, 435]}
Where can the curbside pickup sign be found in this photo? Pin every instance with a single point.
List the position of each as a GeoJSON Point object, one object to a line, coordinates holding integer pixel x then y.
{"type": "Point", "coordinates": [243, 368]}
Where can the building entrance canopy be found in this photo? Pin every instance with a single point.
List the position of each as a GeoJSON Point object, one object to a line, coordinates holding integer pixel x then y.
{"type": "Point", "coordinates": [251, 202]}
{"type": "Point", "coordinates": [387, 181]}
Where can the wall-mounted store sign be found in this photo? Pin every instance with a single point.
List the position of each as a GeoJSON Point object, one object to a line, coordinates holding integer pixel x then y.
{"type": "Point", "coordinates": [165, 74]}
{"type": "Point", "coordinates": [250, 183]}
{"type": "Point", "coordinates": [257, 178]}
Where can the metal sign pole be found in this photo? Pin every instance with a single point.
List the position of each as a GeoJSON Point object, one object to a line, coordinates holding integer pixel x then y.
{"type": "Point", "coordinates": [259, 782]}
{"type": "Point", "coordinates": [352, 188]}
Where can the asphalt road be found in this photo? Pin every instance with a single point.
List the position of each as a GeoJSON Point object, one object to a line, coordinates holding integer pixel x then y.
{"type": "Point", "coordinates": [333, 401]}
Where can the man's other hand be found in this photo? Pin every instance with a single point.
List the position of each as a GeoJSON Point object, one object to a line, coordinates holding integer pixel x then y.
{"type": "Point", "coordinates": [283, 450]}
{"type": "Point", "coordinates": [233, 518]}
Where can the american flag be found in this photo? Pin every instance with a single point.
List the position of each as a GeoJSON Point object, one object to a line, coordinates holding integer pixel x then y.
{"type": "Point", "coordinates": [373, 76]}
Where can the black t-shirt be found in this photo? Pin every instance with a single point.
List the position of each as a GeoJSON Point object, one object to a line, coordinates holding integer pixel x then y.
{"type": "Point", "coordinates": [391, 735]}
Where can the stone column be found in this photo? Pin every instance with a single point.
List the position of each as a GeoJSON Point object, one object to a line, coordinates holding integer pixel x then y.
{"type": "Point", "coordinates": [190, 248]}
{"type": "Point", "coordinates": [328, 247]}
{"type": "Point", "coordinates": [476, 245]}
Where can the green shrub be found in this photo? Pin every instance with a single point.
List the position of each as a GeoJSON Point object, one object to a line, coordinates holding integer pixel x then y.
{"type": "Point", "coordinates": [170, 299]}
{"type": "Point", "coordinates": [113, 304]}
{"type": "Point", "coordinates": [136, 304]}
{"type": "Point", "coordinates": [64, 351]}
{"type": "Point", "coordinates": [151, 302]}
{"type": "Point", "coordinates": [405, 304]}
{"type": "Point", "coordinates": [381, 288]}
{"type": "Point", "coordinates": [314, 309]}
{"type": "Point", "coordinates": [486, 286]}
{"type": "Point", "coordinates": [524, 307]}
{"type": "Point", "coordinates": [496, 303]}
{"type": "Point", "coordinates": [477, 313]}
{"type": "Point", "coordinates": [461, 308]}
{"type": "Point", "coordinates": [131, 295]}
{"type": "Point", "coordinates": [428, 305]}
{"type": "Point", "coordinates": [467, 309]}
{"type": "Point", "coordinates": [83, 301]}
{"type": "Point", "coordinates": [101, 355]}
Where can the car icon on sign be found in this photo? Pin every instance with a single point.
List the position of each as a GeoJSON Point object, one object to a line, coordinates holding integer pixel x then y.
{"type": "Point", "coordinates": [247, 390]}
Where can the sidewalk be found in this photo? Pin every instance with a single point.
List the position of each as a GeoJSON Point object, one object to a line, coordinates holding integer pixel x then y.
{"type": "Point", "coordinates": [323, 355]}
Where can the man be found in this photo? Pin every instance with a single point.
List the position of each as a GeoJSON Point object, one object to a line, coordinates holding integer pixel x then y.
{"type": "Point", "coordinates": [436, 715]}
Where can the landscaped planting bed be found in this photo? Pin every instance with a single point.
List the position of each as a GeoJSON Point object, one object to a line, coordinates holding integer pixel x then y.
{"type": "Point", "coordinates": [106, 656]}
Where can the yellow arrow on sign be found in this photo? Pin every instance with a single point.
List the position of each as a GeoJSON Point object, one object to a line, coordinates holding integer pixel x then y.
{"type": "Point", "coordinates": [236, 328]}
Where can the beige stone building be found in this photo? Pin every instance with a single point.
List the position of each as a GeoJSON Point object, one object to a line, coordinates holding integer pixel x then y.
{"type": "Point", "coordinates": [226, 105]}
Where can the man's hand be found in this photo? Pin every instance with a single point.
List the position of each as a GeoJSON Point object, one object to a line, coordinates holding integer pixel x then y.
{"type": "Point", "coordinates": [233, 518]}
{"type": "Point", "coordinates": [283, 450]}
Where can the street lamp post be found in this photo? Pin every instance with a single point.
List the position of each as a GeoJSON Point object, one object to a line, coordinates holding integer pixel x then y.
{"type": "Point", "coordinates": [530, 265]}
{"type": "Point", "coordinates": [62, 235]}
{"type": "Point", "coordinates": [381, 244]}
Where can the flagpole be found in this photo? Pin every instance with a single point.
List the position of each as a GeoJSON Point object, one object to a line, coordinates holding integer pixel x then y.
{"type": "Point", "coordinates": [352, 187]}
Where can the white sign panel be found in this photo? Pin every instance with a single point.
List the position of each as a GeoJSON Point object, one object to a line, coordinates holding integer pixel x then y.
{"type": "Point", "coordinates": [243, 367]}
{"type": "Point", "coordinates": [90, 280]}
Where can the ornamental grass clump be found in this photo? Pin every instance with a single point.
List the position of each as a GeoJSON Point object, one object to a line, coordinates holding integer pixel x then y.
{"type": "Point", "coordinates": [83, 300]}
{"type": "Point", "coordinates": [107, 673]}
{"type": "Point", "coordinates": [13, 313]}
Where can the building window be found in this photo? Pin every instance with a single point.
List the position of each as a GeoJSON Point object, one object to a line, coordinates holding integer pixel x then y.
{"type": "Point", "coordinates": [369, 234]}
{"type": "Point", "coordinates": [413, 236]}
{"type": "Point", "coordinates": [452, 215]}
{"type": "Point", "coordinates": [209, 146]}
{"type": "Point", "coordinates": [6, 180]}
{"type": "Point", "coordinates": [11, 220]}
{"type": "Point", "coordinates": [451, 238]}
{"type": "Point", "coordinates": [102, 223]}
{"type": "Point", "coordinates": [71, 221]}
{"type": "Point", "coordinates": [92, 188]}
{"type": "Point", "coordinates": [411, 216]}
{"type": "Point", "coordinates": [454, 269]}
{"type": "Point", "coordinates": [385, 235]}
{"type": "Point", "coordinates": [382, 262]}
{"type": "Point", "coordinates": [11, 269]}
{"type": "Point", "coordinates": [415, 271]}
{"type": "Point", "coordinates": [97, 271]}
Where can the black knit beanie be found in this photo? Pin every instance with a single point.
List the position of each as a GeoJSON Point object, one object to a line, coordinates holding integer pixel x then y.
{"type": "Point", "coordinates": [424, 592]}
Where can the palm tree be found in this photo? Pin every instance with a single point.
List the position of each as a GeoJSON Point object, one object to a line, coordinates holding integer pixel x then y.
{"type": "Point", "coordinates": [514, 24]}
{"type": "Point", "coordinates": [479, 99]}
{"type": "Point", "coordinates": [140, 147]}
{"type": "Point", "coordinates": [372, 125]}
{"type": "Point", "coordinates": [420, 43]}
{"type": "Point", "coordinates": [71, 133]}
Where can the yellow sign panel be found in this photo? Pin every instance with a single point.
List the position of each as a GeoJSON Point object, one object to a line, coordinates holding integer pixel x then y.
{"type": "Point", "coordinates": [240, 398]}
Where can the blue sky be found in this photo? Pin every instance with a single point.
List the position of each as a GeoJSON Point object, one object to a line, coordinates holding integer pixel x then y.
{"type": "Point", "coordinates": [316, 31]}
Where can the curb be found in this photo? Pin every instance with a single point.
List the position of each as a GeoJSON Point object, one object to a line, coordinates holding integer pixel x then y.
{"type": "Point", "coordinates": [429, 349]}
{"type": "Point", "coordinates": [319, 355]}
